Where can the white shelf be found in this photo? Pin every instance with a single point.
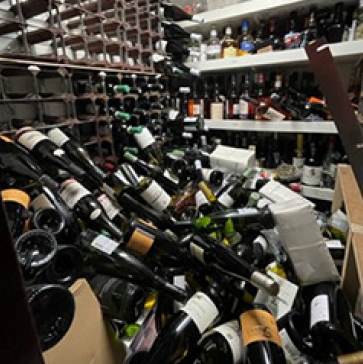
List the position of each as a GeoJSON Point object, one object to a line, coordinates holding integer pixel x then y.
{"type": "Point", "coordinates": [342, 52]}
{"type": "Point", "coordinates": [315, 127]}
{"type": "Point", "coordinates": [233, 14]}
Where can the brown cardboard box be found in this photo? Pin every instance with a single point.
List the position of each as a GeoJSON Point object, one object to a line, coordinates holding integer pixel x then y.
{"type": "Point", "coordinates": [88, 340]}
{"type": "Point", "coordinates": [347, 191]}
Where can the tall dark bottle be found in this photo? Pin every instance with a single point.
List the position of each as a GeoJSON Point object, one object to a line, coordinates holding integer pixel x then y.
{"type": "Point", "coordinates": [176, 50]}
{"type": "Point", "coordinates": [313, 168]}
{"type": "Point", "coordinates": [174, 31]}
{"type": "Point", "coordinates": [176, 13]}
{"type": "Point", "coordinates": [16, 163]}
{"type": "Point", "coordinates": [223, 344]}
{"type": "Point", "coordinates": [47, 152]}
{"type": "Point", "coordinates": [87, 207]}
{"type": "Point", "coordinates": [261, 337]}
{"type": "Point", "coordinates": [77, 153]}
{"type": "Point", "coordinates": [336, 29]}
{"type": "Point", "coordinates": [180, 335]}
{"type": "Point", "coordinates": [107, 257]}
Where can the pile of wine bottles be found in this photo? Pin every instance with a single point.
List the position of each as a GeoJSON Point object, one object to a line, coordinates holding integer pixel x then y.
{"type": "Point", "coordinates": [229, 264]}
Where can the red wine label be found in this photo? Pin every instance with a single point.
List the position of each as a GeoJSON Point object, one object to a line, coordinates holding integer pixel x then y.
{"type": "Point", "coordinates": [216, 110]}
{"type": "Point", "coordinates": [140, 241]}
{"type": "Point", "coordinates": [232, 333]}
{"type": "Point", "coordinates": [95, 213]}
{"type": "Point", "coordinates": [144, 139]}
{"type": "Point", "coordinates": [109, 206]}
{"type": "Point", "coordinates": [202, 310]}
{"type": "Point", "coordinates": [272, 114]}
{"type": "Point", "coordinates": [319, 309]}
{"type": "Point", "coordinates": [196, 109]}
{"type": "Point", "coordinates": [31, 138]}
{"type": "Point", "coordinates": [72, 192]}
{"type": "Point", "coordinates": [197, 252]}
{"type": "Point", "coordinates": [292, 353]}
{"type": "Point", "coordinates": [312, 175]}
{"type": "Point", "coordinates": [259, 325]}
{"type": "Point", "coordinates": [226, 200]}
{"type": "Point", "coordinates": [15, 195]}
{"type": "Point", "coordinates": [104, 244]}
{"type": "Point", "coordinates": [156, 197]}
{"type": "Point", "coordinates": [41, 202]}
{"type": "Point", "coordinates": [243, 109]}
{"type": "Point", "coordinates": [58, 137]}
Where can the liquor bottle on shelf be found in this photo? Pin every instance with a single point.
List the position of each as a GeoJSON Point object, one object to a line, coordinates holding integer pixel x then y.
{"type": "Point", "coordinates": [292, 39]}
{"type": "Point", "coordinates": [336, 29]}
{"type": "Point", "coordinates": [313, 168]}
{"type": "Point", "coordinates": [106, 257]}
{"type": "Point", "coordinates": [228, 45]}
{"type": "Point", "coordinates": [174, 31]}
{"type": "Point", "coordinates": [358, 21]}
{"type": "Point", "coordinates": [213, 45]}
{"type": "Point", "coordinates": [176, 13]}
{"type": "Point", "coordinates": [206, 103]}
{"type": "Point", "coordinates": [260, 336]}
{"type": "Point", "coordinates": [246, 107]}
{"type": "Point", "coordinates": [216, 105]}
{"type": "Point", "coordinates": [194, 102]}
{"type": "Point", "coordinates": [298, 159]}
{"type": "Point", "coordinates": [232, 101]}
{"type": "Point", "coordinates": [310, 33]}
{"type": "Point", "coordinates": [245, 42]}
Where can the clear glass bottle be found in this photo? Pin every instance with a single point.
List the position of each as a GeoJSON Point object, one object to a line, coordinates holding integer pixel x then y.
{"type": "Point", "coordinates": [213, 45]}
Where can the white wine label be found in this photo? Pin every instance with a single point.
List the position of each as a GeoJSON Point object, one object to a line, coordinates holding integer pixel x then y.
{"type": "Point", "coordinates": [104, 244]}
{"type": "Point", "coordinates": [272, 114]}
{"type": "Point", "coordinates": [31, 138]}
{"type": "Point", "coordinates": [95, 213]}
{"type": "Point", "coordinates": [156, 197]}
{"type": "Point", "coordinates": [232, 333]}
{"type": "Point", "coordinates": [201, 310]}
{"type": "Point", "coordinates": [72, 192]}
{"type": "Point", "coordinates": [292, 353]}
{"type": "Point", "coordinates": [235, 109]}
{"type": "Point", "coordinates": [108, 205]}
{"type": "Point", "coordinates": [216, 110]}
{"type": "Point", "coordinates": [298, 163]}
{"type": "Point", "coordinates": [196, 110]}
{"type": "Point", "coordinates": [319, 309]}
{"type": "Point", "coordinates": [59, 152]}
{"type": "Point", "coordinates": [58, 137]}
{"type": "Point", "coordinates": [200, 199]}
{"type": "Point", "coordinates": [243, 109]}
{"type": "Point", "coordinates": [226, 200]}
{"type": "Point", "coordinates": [144, 139]}
{"type": "Point", "coordinates": [281, 304]}
{"type": "Point", "coordinates": [312, 175]}
{"type": "Point", "coordinates": [197, 252]}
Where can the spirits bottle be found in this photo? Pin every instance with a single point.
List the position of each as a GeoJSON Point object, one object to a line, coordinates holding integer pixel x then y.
{"type": "Point", "coordinates": [216, 106]}
{"type": "Point", "coordinates": [292, 39]}
{"type": "Point", "coordinates": [213, 45]}
{"type": "Point", "coordinates": [228, 45]}
{"type": "Point", "coordinates": [246, 43]}
{"type": "Point", "coordinates": [232, 101]}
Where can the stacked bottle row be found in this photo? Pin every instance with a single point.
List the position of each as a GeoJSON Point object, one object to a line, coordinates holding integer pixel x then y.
{"type": "Point", "coordinates": [338, 24]}
{"type": "Point", "coordinates": [199, 225]}
{"type": "Point", "coordinates": [99, 33]}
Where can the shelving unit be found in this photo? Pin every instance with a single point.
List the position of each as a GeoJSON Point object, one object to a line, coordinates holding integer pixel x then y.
{"type": "Point", "coordinates": [343, 53]}
{"type": "Point", "coordinates": [290, 126]}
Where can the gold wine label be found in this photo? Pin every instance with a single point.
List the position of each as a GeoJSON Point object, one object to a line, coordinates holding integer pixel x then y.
{"type": "Point", "coordinates": [208, 193]}
{"type": "Point", "coordinates": [6, 139]}
{"type": "Point", "coordinates": [259, 325]}
{"type": "Point", "coordinates": [354, 358]}
{"type": "Point", "coordinates": [17, 196]}
{"type": "Point", "coordinates": [140, 242]}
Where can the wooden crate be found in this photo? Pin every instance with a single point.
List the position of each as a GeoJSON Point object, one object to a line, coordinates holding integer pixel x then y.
{"type": "Point", "coordinates": [347, 192]}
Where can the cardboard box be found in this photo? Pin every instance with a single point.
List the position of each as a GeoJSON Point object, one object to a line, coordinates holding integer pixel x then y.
{"type": "Point", "coordinates": [89, 340]}
{"type": "Point", "coordinates": [347, 191]}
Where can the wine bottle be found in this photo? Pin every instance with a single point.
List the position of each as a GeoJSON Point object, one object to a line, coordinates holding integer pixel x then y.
{"type": "Point", "coordinates": [77, 153]}
{"type": "Point", "coordinates": [16, 203]}
{"type": "Point", "coordinates": [47, 152]}
{"type": "Point", "coordinates": [119, 299]}
{"type": "Point", "coordinates": [313, 168]}
{"type": "Point", "coordinates": [181, 334]}
{"type": "Point", "coordinates": [147, 143]}
{"type": "Point", "coordinates": [113, 211]}
{"type": "Point", "coordinates": [106, 257]}
{"type": "Point", "coordinates": [86, 207]}
{"type": "Point", "coordinates": [176, 50]}
{"type": "Point", "coordinates": [211, 252]}
{"type": "Point", "coordinates": [260, 337]}
{"type": "Point", "coordinates": [222, 344]}
{"type": "Point", "coordinates": [331, 324]}
{"type": "Point", "coordinates": [66, 266]}
{"type": "Point", "coordinates": [48, 219]}
{"type": "Point", "coordinates": [17, 163]}
{"type": "Point", "coordinates": [176, 13]}
{"type": "Point", "coordinates": [174, 31]}
{"type": "Point", "coordinates": [152, 171]}
{"type": "Point", "coordinates": [53, 311]}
